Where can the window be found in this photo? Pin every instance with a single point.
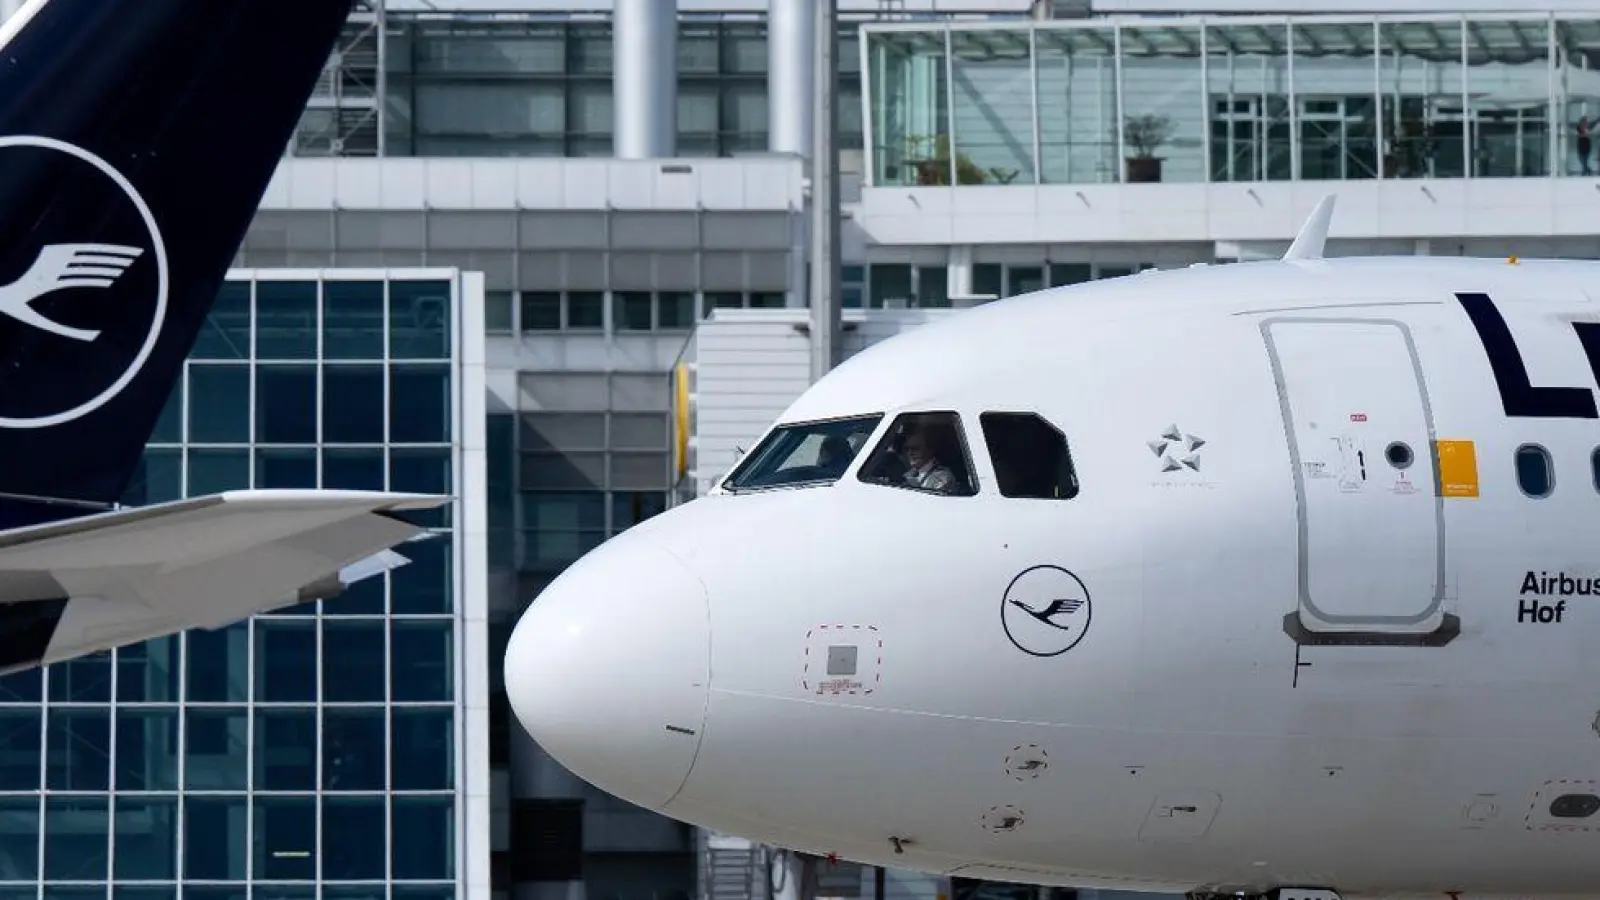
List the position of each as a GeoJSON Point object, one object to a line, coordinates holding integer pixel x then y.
{"type": "Point", "coordinates": [286, 320]}
{"type": "Point", "coordinates": [923, 452]}
{"type": "Point", "coordinates": [498, 314]}
{"type": "Point", "coordinates": [1535, 471]}
{"type": "Point", "coordinates": [1594, 467]}
{"type": "Point", "coordinates": [808, 453]}
{"type": "Point", "coordinates": [541, 310]}
{"type": "Point", "coordinates": [1030, 456]}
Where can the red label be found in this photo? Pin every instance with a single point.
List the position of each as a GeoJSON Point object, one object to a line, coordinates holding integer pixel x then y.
{"type": "Point", "coordinates": [1358, 417]}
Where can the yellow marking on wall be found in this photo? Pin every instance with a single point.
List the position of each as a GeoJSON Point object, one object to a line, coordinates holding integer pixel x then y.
{"type": "Point", "coordinates": [1458, 468]}
{"type": "Point", "coordinates": [680, 410]}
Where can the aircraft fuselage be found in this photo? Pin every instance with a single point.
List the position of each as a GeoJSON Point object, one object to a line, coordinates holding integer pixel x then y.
{"type": "Point", "coordinates": [1326, 594]}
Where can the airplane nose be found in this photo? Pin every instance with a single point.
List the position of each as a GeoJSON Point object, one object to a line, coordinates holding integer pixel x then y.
{"type": "Point", "coordinates": [608, 669]}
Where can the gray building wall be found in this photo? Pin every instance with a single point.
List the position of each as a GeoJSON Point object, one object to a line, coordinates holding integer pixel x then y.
{"type": "Point", "coordinates": [595, 274]}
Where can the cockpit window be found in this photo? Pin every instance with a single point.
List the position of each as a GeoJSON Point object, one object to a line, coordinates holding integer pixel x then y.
{"type": "Point", "coordinates": [923, 452]}
{"type": "Point", "coordinates": [807, 453]}
{"type": "Point", "coordinates": [1030, 456]}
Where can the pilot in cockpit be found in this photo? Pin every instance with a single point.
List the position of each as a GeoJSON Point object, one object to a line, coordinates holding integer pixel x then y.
{"type": "Point", "coordinates": [923, 467]}
{"type": "Point", "coordinates": [834, 456]}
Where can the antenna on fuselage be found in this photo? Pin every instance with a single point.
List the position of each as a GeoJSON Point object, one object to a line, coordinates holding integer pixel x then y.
{"type": "Point", "coordinates": [1314, 233]}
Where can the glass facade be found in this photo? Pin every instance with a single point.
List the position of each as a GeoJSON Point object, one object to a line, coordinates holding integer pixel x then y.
{"type": "Point", "coordinates": [1233, 99]}
{"type": "Point", "coordinates": [592, 461]}
{"type": "Point", "coordinates": [315, 748]}
{"type": "Point", "coordinates": [460, 86]}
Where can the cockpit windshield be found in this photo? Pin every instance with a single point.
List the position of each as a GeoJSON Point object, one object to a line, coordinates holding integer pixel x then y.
{"type": "Point", "coordinates": [809, 453]}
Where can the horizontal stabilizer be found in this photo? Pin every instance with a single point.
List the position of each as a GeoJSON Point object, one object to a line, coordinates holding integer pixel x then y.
{"type": "Point", "coordinates": [116, 578]}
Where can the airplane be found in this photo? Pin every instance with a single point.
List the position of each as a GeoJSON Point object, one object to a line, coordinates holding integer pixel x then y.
{"type": "Point", "coordinates": [1273, 578]}
{"type": "Point", "coordinates": [136, 142]}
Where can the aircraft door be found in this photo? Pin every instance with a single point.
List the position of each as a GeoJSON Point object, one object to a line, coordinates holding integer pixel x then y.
{"type": "Point", "coordinates": [1371, 519]}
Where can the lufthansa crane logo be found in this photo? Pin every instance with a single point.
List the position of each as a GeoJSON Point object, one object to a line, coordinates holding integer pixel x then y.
{"type": "Point", "coordinates": [1045, 611]}
{"type": "Point", "coordinates": [87, 294]}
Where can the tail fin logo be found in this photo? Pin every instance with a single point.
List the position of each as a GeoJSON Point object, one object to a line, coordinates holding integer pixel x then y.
{"type": "Point", "coordinates": [62, 266]}
{"type": "Point", "coordinates": [84, 271]}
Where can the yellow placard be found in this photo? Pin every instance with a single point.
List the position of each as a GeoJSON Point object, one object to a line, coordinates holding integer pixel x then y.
{"type": "Point", "coordinates": [1458, 469]}
{"type": "Point", "coordinates": [680, 418]}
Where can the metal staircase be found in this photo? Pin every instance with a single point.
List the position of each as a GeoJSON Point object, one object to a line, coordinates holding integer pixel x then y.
{"type": "Point", "coordinates": [732, 868]}
{"type": "Point", "coordinates": [344, 116]}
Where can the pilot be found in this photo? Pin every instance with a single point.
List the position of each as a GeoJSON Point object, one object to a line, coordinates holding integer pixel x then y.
{"type": "Point", "coordinates": [834, 454]}
{"type": "Point", "coordinates": [923, 468]}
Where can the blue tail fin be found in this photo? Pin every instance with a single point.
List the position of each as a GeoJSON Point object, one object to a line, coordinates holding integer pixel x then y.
{"type": "Point", "coordinates": [136, 141]}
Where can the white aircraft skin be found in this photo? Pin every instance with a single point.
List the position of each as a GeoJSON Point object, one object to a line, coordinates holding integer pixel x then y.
{"type": "Point", "coordinates": [1185, 740]}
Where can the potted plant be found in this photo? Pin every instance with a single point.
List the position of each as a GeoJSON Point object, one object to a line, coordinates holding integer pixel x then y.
{"type": "Point", "coordinates": [928, 157]}
{"type": "Point", "coordinates": [1144, 135]}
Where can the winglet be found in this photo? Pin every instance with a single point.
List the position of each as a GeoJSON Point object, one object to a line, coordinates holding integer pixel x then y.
{"type": "Point", "coordinates": [1314, 233]}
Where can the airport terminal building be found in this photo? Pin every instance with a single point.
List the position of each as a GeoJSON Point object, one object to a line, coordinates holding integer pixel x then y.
{"type": "Point", "coordinates": [496, 239]}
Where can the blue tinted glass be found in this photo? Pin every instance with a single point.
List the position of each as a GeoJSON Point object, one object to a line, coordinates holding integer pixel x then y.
{"type": "Point", "coordinates": [286, 468]}
{"type": "Point", "coordinates": [73, 892]}
{"type": "Point", "coordinates": [419, 404]}
{"type": "Point", "coordinates": [286, 758]}
{"type": "Point", "coordinates": [364, 598]}
{"type": "Point", "coordinates": [352, 661]}
{"type": "Point", "coordinates": [226, 333]}
{"type": "Point", "coordinates": [352, 320]}
{"type": "Point", "coordinates": [353, 404]}
{"type": "Point", "coordinates": [356, 470]}
{"type": "Point", "coordinates": [353, 838]}
{"type": "Point", "coordinates": [18, 891]}
{"type": "Point", "coordinates": [219, 664]}
{"type": "Point", "coordinates": [219, 404]}
{"type": "Point", "coordinates": [19, 840]}
{"type": "Point", "coordinates": [419, 319]}
{"type": "Point", "coordinates": [217, 741]}
{"type": "Point", "coordinates": [500, 462]}
{"type": "Point", "coordinates": [422, 755]}
{"type": "Point", "coordinates": [78, 749]}
{"type": "Point", "coordinates": [353, 749]}
{"type": "Point", "coordinates": [286, 660]}
{"type": "Point", "coordinates": [86, 679]}
{"type": "Point", "coordinates": [292, 891]}
{"type": "Point", "coordinates": [286, 834]}
{"type": "Point", "coordinates": [286, 404]}
{"type": "Point", "coordinates": [215, 471]}
{"type": "Point", "coordinates": [423, 471]}
{"type": "Point", "coordinates": [213, 892]}
{"type": "Point", "coordinates": [149, 851]}
{"type": "Point", "coordinates": [148, 672]}
{"type": "Point", "coordinates": [424, 838]}
{"type": "Point", "coordinates": [76, 838]}
{"type": "Point", "coordinates": [158, 478]}
{"type": "Point", "coordinates": [147, 749]}
{"type": "Point", "coordinates": [214, 839]}
{"type": "Point", "coordinates": [423, 653]}
{"type": "Point", "coordinates": [425, 586]}
{"type": "Point", "coordinates": [337, 892]}
{"type": "Point", "coordinates": [26, 686]}
{"type": "Point", "coordinates": [426, 892]}
{"type": "Point", "coordinates": [145, 892]}
{"type": "Point", "coordinates": [286, 320]}
{"type": "Point", "coordinates": [169, 427]}
{"type": "Point", "coordinates": [20, 744]}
